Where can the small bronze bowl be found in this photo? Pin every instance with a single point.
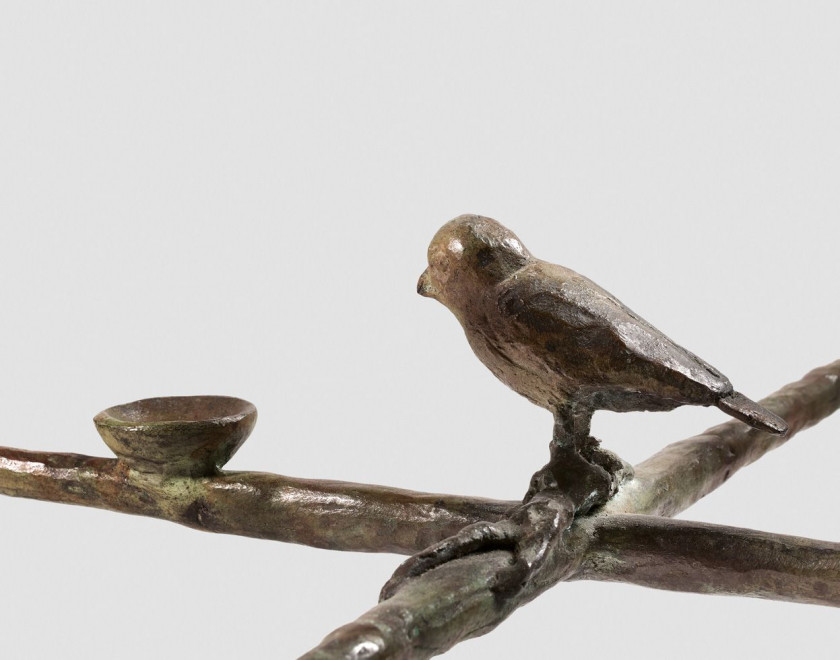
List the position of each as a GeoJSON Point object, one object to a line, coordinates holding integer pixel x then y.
{"type": "Point", "coordinates": [178, 435]}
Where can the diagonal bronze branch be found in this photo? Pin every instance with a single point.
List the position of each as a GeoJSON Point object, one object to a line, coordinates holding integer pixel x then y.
{"type": "Point", "coordinates": [457, 601]}
{"type": "Point", "coordinates": [673, 479]}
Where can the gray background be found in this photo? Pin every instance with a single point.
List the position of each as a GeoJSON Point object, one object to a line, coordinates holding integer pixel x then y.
{"type": "Point", "coordinates": [235, 198]}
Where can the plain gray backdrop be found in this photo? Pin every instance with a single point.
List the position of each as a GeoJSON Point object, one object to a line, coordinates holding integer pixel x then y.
{"type": "Point", "coordinates": [236, 198]}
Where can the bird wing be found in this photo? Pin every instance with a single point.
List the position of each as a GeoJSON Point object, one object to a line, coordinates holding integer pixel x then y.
{"type": "Point", "coordinates": [602, 349]}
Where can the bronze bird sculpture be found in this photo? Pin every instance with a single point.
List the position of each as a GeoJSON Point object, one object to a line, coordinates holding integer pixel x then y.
{"type": "Point", "coordinates": [566, 344]}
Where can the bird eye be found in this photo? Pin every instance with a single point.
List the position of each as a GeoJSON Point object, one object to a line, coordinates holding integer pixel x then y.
{"type": "Point", "coordinates": [484, 257]}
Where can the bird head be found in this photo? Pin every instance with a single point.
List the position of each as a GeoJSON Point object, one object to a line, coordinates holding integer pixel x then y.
{"type": "Point", "coordinates": [468, 255]}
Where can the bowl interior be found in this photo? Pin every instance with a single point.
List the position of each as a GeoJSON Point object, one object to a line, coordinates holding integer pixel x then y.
{"type": "Point", "coordinates": [177, 410]}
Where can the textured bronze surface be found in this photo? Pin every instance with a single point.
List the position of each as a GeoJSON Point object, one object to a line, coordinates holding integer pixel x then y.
{"type": "Point", "coordinates": [682, 473]}
{"type": "Point", "coordinates": [567, 345]}
{"type": "Point", "coordinates": [432, 612]}
{"type": "Point", "coordinates": [170, 453]}
{"type": "Point", "coordinates": [326, 514]}
{"type": "Point", "coordinates": [460, 599]}
{"type": "Point", "coordinates": [562, 341]}
{"type": "Point", "coordinates": [704, 558]}
{"type": "Point", "coordinates": [177, 435]}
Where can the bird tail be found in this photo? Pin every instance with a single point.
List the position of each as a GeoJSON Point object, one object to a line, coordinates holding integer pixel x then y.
{"type": "Point", "coordinates": [748, 411]}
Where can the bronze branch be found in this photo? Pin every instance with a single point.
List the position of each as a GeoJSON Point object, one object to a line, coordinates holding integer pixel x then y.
{"type": "Point", "coordinates": [630, 539]}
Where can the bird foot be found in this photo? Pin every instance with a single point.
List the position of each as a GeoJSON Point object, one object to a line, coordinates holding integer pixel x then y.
{"type": "Point", "coordinates": [578, 478]}
{"type": "Point", "coordinates": [616, 466]}
{"type": "Point", "coordinates": [585, 472]}
{"type": "Point", "coordinates": [527, 533]}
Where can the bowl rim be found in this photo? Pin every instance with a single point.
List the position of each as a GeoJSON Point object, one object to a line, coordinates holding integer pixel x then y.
{"type": "Point", "coordinates": [109, 418]}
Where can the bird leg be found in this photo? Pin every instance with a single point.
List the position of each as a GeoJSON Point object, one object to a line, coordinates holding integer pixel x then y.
{"type": "Point", "coordinates": [579, 476]}
{"type": "Point", "coordinates": [579, 467]}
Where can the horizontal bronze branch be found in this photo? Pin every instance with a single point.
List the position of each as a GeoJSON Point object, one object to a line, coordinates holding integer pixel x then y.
{"type": "Point", "coordinates": [326, 514]}
{"type": "Point", "coordinates": [349, 516]}
{"type": "Point", "coordinates": [679, 555]}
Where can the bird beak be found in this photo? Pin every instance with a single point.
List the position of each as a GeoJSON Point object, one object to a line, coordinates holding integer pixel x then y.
{"type": "Point", "coordinates": [424, 285]}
